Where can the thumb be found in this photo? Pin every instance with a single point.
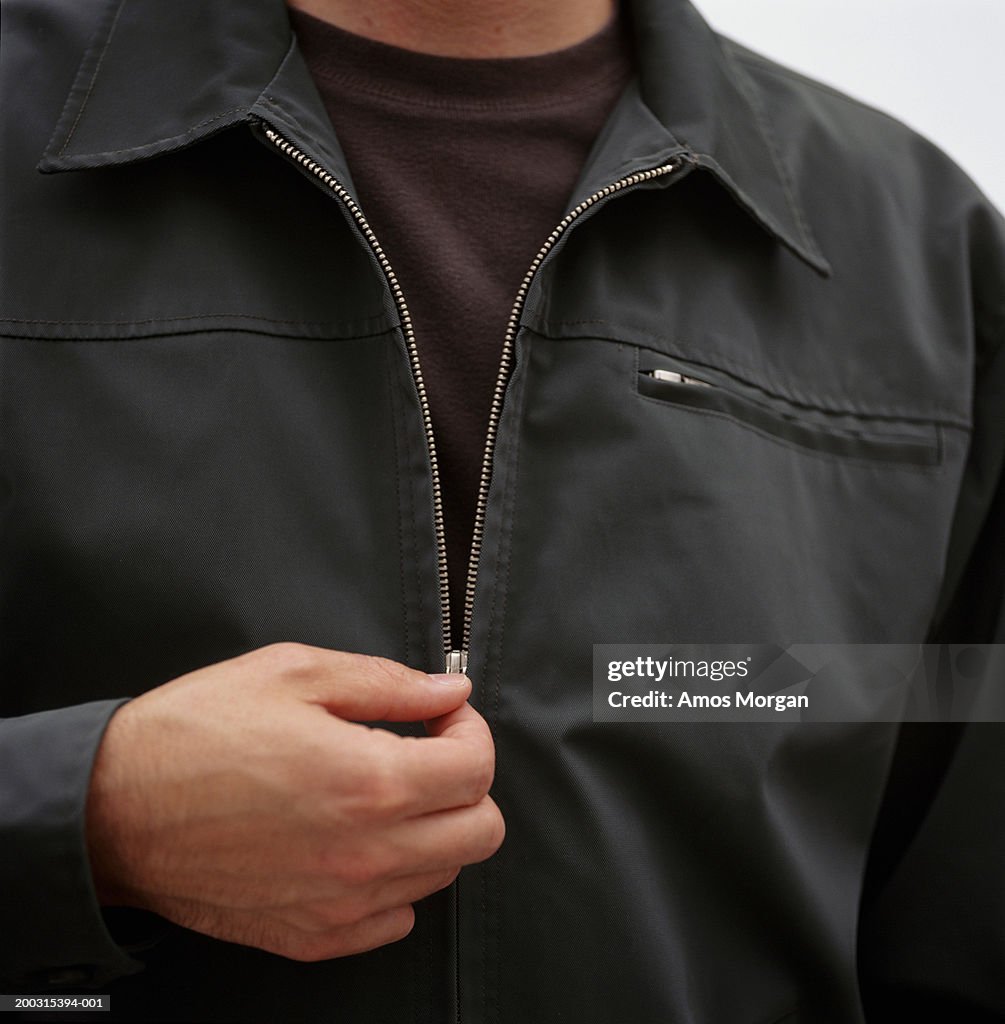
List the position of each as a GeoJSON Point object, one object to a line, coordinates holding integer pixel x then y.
{"type": "Point", "coordinates": [361, 688]}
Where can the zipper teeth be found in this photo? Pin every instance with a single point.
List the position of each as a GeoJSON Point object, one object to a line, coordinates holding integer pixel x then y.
{"type": "Point", "coordinates": [505, 363]}
{"type": "Point", "coordinates": [504, 368]}
{"type": "Point", "coordinates": [413, 355]}
{"type": "Point", "coordinates": [502, 378]}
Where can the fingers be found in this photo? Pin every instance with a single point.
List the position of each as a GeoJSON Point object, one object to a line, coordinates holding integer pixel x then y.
{"type": "Point", "coordinates": [442, 840]}
{"type": "Point", "coordinates": [324, 831]}
{"type": "Point", "coordinates": [452, 767]}
{"type": "Point", "coordinates": [361, 688]}
{"type": "Point", "coordinates": [344, 927]}
{"type": "Point", "coordinates": [342, 910]}
{"type": "Point", "coordinates": [460, 723]}
{"type": "Point", "coordinates": [408, 776]}
{"type": "Point", "coordinates": [431, 849]}
{"type": "Point", "coordinates": [374, 931]}
{"type": "Point", "coordinates": [399, 891]}
{"type": "Point", "coordinates": [311, 945]}
{"type": "Point", "coordinates": [437, 842]}
{"type": "Point", "coordinates": [392, 777]}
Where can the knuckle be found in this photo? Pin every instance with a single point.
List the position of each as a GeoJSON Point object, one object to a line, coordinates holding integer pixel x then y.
{"type": "Point", "coordinates": [312, 948]}
{"type": "Point", "coordinates": [344, 940]}
{"type": "Point", "coordinates": [402, 923]}
{"type": "Point", "coordinates": [494, 828]}
{"type": "Point", "coordinates": [307, 920]}
{"type": "Point", "coordinates": [383, 670]}
{"type": "Point", "coordinates": [342, 867]}
{"type": "Point", "coordinates": [448, 878]}
{"type": "Point", "coordinates": [284, 940]}
{"type": "Point", "coordinates": [381, 793]}
{"type": "Point", "coordinates": [344, 912]}
{"type": "Point", "coordinates": [292, 660]}
{"type": "Point", "coordinates": [483, 771]}
{"type": "Point", "coordinates": [357, 872]}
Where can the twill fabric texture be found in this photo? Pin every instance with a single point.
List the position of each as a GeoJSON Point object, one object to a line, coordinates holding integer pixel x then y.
{"type": "Point", "coordinates": [211, 439]}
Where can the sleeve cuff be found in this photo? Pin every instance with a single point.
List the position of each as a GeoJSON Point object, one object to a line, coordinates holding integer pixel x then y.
{"type": "Point", "coordinates": [54, 929]}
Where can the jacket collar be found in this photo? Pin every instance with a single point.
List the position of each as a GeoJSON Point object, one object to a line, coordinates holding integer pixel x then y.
{"type": "Point", "coordinates": [158, 77]}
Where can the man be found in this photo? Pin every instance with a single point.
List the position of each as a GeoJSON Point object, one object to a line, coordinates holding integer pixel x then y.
{"type": "Point", "coordinates": [223, 491]}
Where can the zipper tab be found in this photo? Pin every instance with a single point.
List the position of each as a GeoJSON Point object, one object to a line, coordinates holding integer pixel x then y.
{"type": "Point", "coordinates": [457, 662]}
{"type": "Point", "coordinates": [677, 378]}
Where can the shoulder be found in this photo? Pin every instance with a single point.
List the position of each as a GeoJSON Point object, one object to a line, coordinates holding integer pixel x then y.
{"type": "Point", "coordinates": [847, 145]}
{"type": "Point", "coordinates": [880, 195]}
{"type": "Point", "coordinates": [804, 111]}
{"type": "Point", "coordinates": [866, 179]}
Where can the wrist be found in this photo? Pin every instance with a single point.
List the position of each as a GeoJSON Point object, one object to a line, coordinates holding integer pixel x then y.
{"type": "Point", "coordinates": [105, 814]}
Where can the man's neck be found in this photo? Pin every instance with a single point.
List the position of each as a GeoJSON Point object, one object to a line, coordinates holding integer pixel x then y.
{"type": "Point", "coordinates": [467, 28]}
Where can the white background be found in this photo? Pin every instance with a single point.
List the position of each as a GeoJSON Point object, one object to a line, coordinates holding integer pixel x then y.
{"type": "Point", "coordinates": [938, 65]}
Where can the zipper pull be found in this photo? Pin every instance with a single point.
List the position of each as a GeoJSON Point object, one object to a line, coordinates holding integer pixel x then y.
{"type": "Point", "coordinates": [457, 662]}
{"type": "Point", "coordinates": [677, 378]}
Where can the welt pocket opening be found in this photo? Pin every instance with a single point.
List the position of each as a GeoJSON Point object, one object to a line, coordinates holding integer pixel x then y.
{"type": "Point", "coordinates": [848, 436]}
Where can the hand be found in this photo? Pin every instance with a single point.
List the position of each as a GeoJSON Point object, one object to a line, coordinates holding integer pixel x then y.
{"type": "Point", "coordinates": [243, 800]}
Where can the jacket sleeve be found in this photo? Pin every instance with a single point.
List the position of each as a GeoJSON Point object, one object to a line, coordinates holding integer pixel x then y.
{"type": "Point", "coordinates": [932, 940]}
{"type": "Point", "coordinates": [54, 934]}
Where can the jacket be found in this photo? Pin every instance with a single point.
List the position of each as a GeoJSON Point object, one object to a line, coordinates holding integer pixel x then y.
{"type": "Point", "coordinates": [213, 438]}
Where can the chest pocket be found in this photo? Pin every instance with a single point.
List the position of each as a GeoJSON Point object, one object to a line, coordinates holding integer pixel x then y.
{"type": "Point", "coordinates": [707, 391]}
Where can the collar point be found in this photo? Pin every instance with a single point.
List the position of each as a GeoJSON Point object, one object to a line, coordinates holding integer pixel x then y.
{"type": "Point", "coordinates": [57, 160]}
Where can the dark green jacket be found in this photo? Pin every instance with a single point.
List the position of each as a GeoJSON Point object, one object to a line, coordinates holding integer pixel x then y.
{"type": "Point", "coordinates": [212, 439]}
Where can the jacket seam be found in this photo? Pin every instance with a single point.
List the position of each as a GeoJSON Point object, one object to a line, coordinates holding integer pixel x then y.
{"type": "Point", "coordinates": [287, 56]}
{"type": "Point", "coordinates": [754, 62]}
{"type": "Point", "coordinates": [423, 653]}
{"type": "Point", "coordinates": [90, 86]}
{"type": "Point", "coordinates": [498, 620]}
{"type": "Point", "coordinates": [174, 319]}
{"type": "Point", "coordinates": [936, 414]}
{"type": "Point", "coordinates": [935, 443]}
{"type": "Point", "coordinates": [932, 469]}
{"type": "Point", "coordinates": [395, 419]}
{"type": "Point", "coordinates": [325, 334]}
{"type": "Point", "coordinates": [746, 86]}
{"type": "Point", "coordinates": [158, 145]}
{"type": "Point", "coordinates": [808, 406]}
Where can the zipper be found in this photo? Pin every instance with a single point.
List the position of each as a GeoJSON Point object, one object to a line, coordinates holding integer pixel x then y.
{"type": "Point", "coordinates": [512, 327]}
{"type": "Point", "coordinates": [456, 660]}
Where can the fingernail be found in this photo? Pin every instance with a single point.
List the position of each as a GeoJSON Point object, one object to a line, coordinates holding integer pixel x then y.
{"type": "Point", "coordinates": [449, 678]}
